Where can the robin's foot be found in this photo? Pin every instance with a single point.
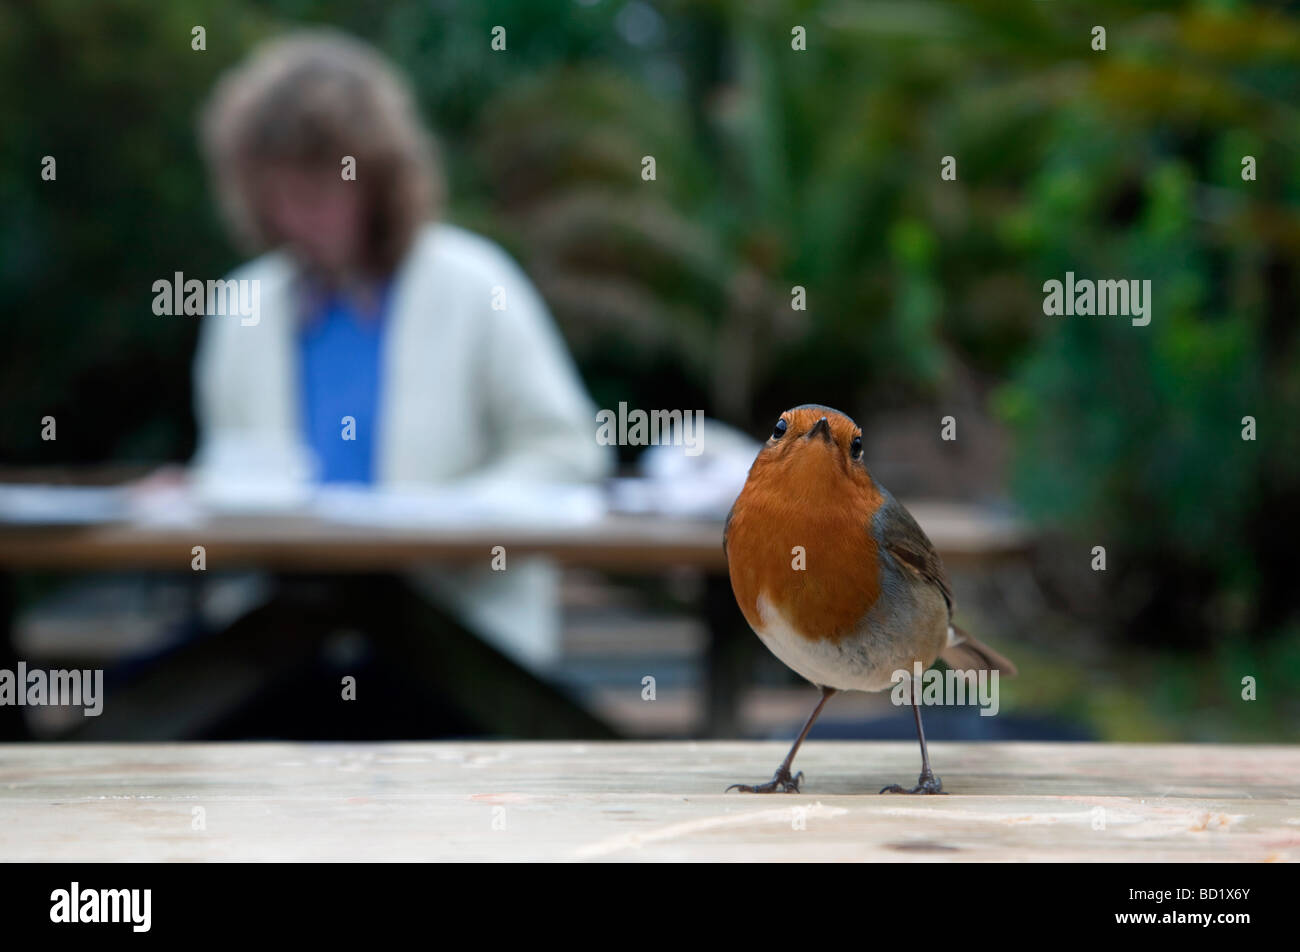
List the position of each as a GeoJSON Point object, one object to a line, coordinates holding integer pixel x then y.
{"type": "Point", "coordinates": [926, 783]}
{"type": "Point", "coordinates": [782, 782]}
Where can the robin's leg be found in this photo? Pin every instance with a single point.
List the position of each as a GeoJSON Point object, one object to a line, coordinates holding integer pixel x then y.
{"type": "Point", "coordinates": [782, 780]}
{"type": "Point", "coordinates": [927, 782]}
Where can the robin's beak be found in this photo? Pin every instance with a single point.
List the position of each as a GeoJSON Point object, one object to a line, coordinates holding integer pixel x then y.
{"type": "Point", "coordinates": [821, 428]}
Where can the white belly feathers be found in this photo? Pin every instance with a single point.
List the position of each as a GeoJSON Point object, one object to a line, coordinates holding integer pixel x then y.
{"type": "Point", "coordinates": [855, 664]}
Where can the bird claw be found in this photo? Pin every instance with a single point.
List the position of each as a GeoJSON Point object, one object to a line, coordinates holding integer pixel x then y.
{"type": "Point", "coordinates": [926, 783]}
{"type": "Point", "coordinates": [781, 781]}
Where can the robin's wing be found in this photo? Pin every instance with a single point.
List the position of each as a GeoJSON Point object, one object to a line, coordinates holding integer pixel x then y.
{"type": "Point", "coordinates": [912, 549]}
{"type": "Point", "coordinates": [899, 533]}
{"type": "Point", "coordinates": [726, 527]}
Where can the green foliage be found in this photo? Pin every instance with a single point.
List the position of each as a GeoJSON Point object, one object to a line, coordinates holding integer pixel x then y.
{"type": "Point", "coordinates": [110, 91]}
{"type": "Point", "coordinates": [1133, 436]}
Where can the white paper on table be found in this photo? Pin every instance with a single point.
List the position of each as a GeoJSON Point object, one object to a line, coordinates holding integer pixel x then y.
{"type": "Point", "coordinates": [26, 504]}
{"type": "Point", "coordinates": [237, 474]}
{"type": "Point", "coordinates": [527, 506]}
{"type": "Point", "coordinates": [701, 486]}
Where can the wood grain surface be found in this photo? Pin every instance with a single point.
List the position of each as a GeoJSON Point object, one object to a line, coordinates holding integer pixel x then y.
{"type": "Point", "coordinates": [645, 801]}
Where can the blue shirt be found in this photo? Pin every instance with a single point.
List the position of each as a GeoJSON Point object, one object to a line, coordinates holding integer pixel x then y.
{"type": "Point", "coordinates": [340, 349]}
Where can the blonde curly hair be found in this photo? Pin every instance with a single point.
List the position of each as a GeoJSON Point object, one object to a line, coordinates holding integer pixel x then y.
{"type": "Point", "coordinates": [308, 99]}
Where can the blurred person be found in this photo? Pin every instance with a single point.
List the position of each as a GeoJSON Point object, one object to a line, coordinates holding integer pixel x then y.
{"type": "Point", "coordinates": [371, 310]}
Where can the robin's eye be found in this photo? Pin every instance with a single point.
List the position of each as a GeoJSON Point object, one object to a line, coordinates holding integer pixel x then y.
{"type": "Point", "coordinates": [855, 448]}
{"type": "Point", "coordinates": [778, 431]}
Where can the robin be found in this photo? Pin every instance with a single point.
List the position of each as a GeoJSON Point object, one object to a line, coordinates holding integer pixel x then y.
{"type": "Point", "coordinates": [837, 578]}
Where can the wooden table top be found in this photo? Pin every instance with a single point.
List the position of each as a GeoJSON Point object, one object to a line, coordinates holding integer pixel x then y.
{"type": "Point", "coordinates": [645, 801]}
{"type": "Point", "coordinates": [306, 544]}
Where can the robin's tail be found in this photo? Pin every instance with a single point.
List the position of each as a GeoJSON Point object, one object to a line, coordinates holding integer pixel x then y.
{"type": "Point", "coordinates": [965, 653]}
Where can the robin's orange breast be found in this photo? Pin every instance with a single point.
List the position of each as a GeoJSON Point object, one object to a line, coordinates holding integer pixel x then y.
{"type": "Point", "coordinates": [809, 553]}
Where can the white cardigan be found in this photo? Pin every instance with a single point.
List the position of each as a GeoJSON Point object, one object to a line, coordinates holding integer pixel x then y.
{"type": "Point", "coordinates": [470, 394]}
